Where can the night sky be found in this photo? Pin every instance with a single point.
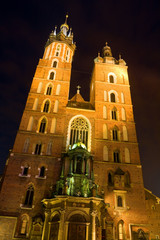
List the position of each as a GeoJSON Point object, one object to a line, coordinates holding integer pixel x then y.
{"type": "Point", "coordinates": [131, 28]}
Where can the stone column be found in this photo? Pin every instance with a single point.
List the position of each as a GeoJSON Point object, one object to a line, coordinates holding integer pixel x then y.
{"type": "Point", "coordinates": [66, 230]}
{"type": "Point", "coordinates": [45, 233]}
{"type": "Point", "coordinates": [87, 230]}
{"type": "Point", "coordinates": [94, 213]}
{"type": "Point", "coordinates": [61, 226]}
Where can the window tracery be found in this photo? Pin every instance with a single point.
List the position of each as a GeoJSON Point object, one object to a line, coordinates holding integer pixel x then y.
{"type": "Point", "coordinates": [29, 196]}
{"type": "Point", "coordinates": [79, 131]}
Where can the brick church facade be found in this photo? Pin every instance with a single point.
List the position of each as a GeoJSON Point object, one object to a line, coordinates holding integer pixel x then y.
{"type": "Point", "coordinates": [75, 171]}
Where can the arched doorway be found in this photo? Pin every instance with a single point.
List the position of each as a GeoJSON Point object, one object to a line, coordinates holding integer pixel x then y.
{"type": "Point", "coordinates": [77, 227]}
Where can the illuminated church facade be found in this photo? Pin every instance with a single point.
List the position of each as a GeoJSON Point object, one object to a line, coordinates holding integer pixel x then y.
{"type": "Point", "coordinates": [75, 171]}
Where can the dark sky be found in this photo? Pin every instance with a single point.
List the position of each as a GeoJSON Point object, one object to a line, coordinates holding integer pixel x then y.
{"type": "Point", "coordinates": [131, 28]}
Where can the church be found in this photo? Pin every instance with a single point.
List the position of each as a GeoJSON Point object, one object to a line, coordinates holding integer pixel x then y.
{"type": "Point", "coordinates": [74, 172]}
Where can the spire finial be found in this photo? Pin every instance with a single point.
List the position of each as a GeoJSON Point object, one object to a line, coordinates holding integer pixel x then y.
{"type": "Point", "coordinates": [66, 18]}
{"type": "Point", "coordinates": [78, 89]}
{"type": "Point", "coordinates": [64, 27]}
{"type": "Point", "coordinates": [119, 56]}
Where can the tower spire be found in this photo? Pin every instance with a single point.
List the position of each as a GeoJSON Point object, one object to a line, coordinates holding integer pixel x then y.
{"type": "Point", "coordinates": [64, 27]}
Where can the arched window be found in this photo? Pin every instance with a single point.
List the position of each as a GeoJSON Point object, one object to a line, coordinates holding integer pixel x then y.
{"type": "Point", "coordinates": [105, 131]}
{"type": "Point", "coordinates": [123, 112]}
{"type": "Point", "coordinates": [30, 124]}
{"type": "Point", "coordinates": [58, 89]}
{"type": "Point", "coordinates": [29, 196]}
{"type": "Point", "coordinates": [125, 134]}
{"type": "Point", "coordinates": [112, 97]}
{"type": "Point", "coordinates": [119, 201]}
{"type": "Point", "coordinates": [122, 97]}
{"type": "Point", "coordinates": [67, 55]}
{"type": "Point", "coordinates": [115, 134]}
{"type": "Point", "coordinates": [105, 96]}
{"type": "Point", "coordinates": [23, 225]}
{"type": "Point", "coordinates": [116, 156]}
{"type": "Point", "coordinates": [104, 112]}
{"type": "Point", "coordinates": [53, 126]}
{"type": "Point", "coordinates": [42, 172]}
{"type": "Point", "coordinates": [127, 155]}
{"type": "Point", "coordinates": [58, 49]}
{"type": "Point", "coordinates": [26, 145]}
{"type": "Point", "coordinates": [38, 148]}
{"type": "Point", "coordinates": [47, 52]}
{"type": "Point", "coordinates": [39, 87]}
{"type": "Point", "coordinates": [49, 90]}
{"type": "Point", "coordinates": [56, 106]}
{"type": "Point", "coordinates": [52, 75]}
{"type": "Point", "coordinates": [49, 148]}
{"type": "Point", "coordinates": [43, 124]}
{"type": "Point", "coordinates": [110, 179]}
{"type": "Point", "coordinates": [105, 153]}
{"type": "Point", "coordinates": [114, 114]}
{"type": "Point", "coordinates": [79, 131]}
{"type": "Point", "coordinates": [121, 230]}
{"type": "Point", "coordinates": [35, 105]}
{"type": "Point", "coordinates": [55, 63]}
{"type": "Point", "coordinates": [111, 79]}
{"type": "Point", "coordinates": [46, 106]}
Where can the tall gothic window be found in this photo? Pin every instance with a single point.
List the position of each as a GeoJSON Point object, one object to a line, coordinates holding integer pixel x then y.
{"type": "Point", "coordinates": [121, 230]}
{"type": "Point", "coordinates": [116, 156]}
{"type": "Point", "coordinates": [49, 148]}
{"type": "Point", "coordinates": [104, 112]}
{"type": "Point", "coordinates": [23, 225]}
{"type": "Point", "coordinates": [38, 149]}
{"type": "Point", "coordinates": [46, 106]}
{"type": "Point", "coordinates": [49, 90]}
{"type": "Point", "coordinates": [114, 114]}
{"type": "Point", "coordinates": [115, 134]}
{"type": "Point", "coordinates": [110, 179]}
{"type": "Point", "coordinates": [39, 87]}
{"type": "Point", "coordinates": [79, 131]}
{"type": "Point", "coordinates": [42, 125]}
{"type": "Point", "coordinates": [26, 145]}
{"type": "Point", "coordinates": [29, 196]}
{"type": "Point", "coordinates": [30, 124]}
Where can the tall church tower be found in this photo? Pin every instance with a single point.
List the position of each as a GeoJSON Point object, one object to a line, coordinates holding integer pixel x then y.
{"type": "Point", "coordinates": [74, 171]}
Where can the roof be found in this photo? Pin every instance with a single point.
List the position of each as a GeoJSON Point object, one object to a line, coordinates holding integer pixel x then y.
{"type": "Point", "coordinates": [77, 101]}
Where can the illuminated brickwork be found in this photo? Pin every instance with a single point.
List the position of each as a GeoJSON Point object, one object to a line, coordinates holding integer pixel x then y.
{"type": "Point", "coordinates": [46, 162]}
